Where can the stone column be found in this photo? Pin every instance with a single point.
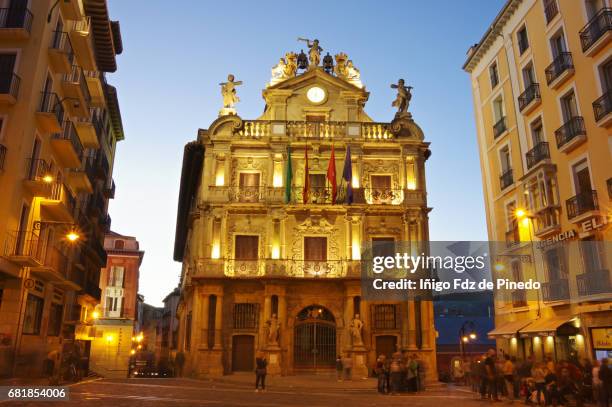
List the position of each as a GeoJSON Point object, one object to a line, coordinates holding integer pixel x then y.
{"type": "Point", "coordinates": [405, 316]}
{"type": "Point", "coordinates": [203, 323]}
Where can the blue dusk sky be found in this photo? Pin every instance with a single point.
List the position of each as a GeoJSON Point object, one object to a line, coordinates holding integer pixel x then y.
{"type": "Point", "coordinates": [177, 52]}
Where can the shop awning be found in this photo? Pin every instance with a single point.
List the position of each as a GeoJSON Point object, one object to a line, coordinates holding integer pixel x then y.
{"type": "Point", "coordinates": [545, 326]}
{"type": "Point", "coordinates": [509, 328]}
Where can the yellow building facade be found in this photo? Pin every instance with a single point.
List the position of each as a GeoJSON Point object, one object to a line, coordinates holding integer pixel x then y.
{"type": "Point", "coordinates": [59, 124]}
{"type": "Point", "coordinates": [272, 266]}
{"type": "Point", "coordinates": [542, 87]}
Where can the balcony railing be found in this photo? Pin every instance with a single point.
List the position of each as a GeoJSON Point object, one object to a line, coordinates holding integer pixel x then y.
{"type": "Point", "coordinates": [506, 179]}
{"type": "Point", "coordinates": [16, 17]}
{"type": "Point", "coordinates": [581, 203]}
{"type": "Point", "coordinates": [538, 153]}
{"type": "Point", "coordinates": [77, 75]}
{"type": "Point", "coordinates": [531, 93]}
{"type": "Point", "coordinates": [37, 169]}
{"type": "Point", "coordinates": [60, 192]}
{"type": "Point", "coordinates": [596, 28]}
{"type": "Point", "coordinates": [513, 237]}
{"type": "Point", "coordinates": [557, 290]}
{"type": "Point", "coordinates": [570, 130]}
{"type": "Point", "coordinates": [594, 282]}
{"type": "Point", "coordinates": [563, 62]}
{"type": "Point", "coordinates": [24, 244]}
{"type": "Point", "coordinates": [69, 133]}
{"type": "Point", "coordinates": [50, 103]}
{"type": "Point", "coordinates": [550, 10]}
{"type": "Point", "coordinates": [61, 42]}
{"type": "Point", "coordinates": [519, 298]}
{"type": "Point", "coordinates": [9, 84]}
{"type": "Point", "coordinates": [603, 105]}
{"type": "Point", "coordinates": [2, 156]}
{"type": "Point", "coordinates": [286, 268]}
{"type": "Point", "coordinates": [317, 130]}
{"type": "Point", "coordinates": [499, 127]}
{"type": "Point", "coordinates": [56, 261]}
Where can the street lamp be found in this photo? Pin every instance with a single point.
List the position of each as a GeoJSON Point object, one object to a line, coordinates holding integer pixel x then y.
{"type": "Point", "coordinates": [467, 332]}
{"type": "Point", "coordinates": [72, 235]}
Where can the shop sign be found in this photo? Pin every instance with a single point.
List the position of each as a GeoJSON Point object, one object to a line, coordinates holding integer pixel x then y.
{"type": "Point", "coordinates": [602, 338]}
{"type": "Point", "coordinates": [559, 237]}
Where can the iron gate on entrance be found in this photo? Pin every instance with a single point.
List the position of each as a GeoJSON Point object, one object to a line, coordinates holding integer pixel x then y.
{"type": "Point", "coordinates": [315, 338]}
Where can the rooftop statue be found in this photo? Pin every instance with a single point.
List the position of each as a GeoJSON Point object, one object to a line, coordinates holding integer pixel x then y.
{"type": "Point", "coordinates": [228, 91]}
{"type": "Point", "coordinates": [340, 69]}
{"type": "Point", "coordinates": [402, 100]}
{"type": "Point", "coordinates": [353, 75]}
{"type": "Point", "coordinates": [314, 53]}
{"type": "Point", "coordinates": [302, 60]}
{"type": "Point", "coordinates": [286, 68]}
{"type": "Point", "coordinates": [328, 63]}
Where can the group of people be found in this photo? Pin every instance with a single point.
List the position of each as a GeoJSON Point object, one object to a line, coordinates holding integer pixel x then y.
{"type": "Point", "coordinates": [401, 372]}
{"type": "Point", "coordinates": [545, 382]}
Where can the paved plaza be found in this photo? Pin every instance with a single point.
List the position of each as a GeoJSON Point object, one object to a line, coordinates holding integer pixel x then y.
{"type": "Point", "coordinates": [237, 390]}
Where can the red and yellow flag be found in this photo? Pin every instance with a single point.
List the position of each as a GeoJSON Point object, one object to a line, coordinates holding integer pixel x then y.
{"type": "Point", "coordinates": [306, 189]}
{"type": "Point", "coordinates": [331, 174]}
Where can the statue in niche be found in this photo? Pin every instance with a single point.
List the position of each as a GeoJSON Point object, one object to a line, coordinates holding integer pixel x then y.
{"type": "Point", "coordinates": [228, 91]}
{"type": "Point", "coordinates": [402, 100]}
{"type": "Point", "coordinates": [314, 53]}
{"type": "Point", "coordinates": [273, 330]}
{"type": "Point", "coordinates": [355, 329]}
{"type": "Point", "coordinates": [302, 60]}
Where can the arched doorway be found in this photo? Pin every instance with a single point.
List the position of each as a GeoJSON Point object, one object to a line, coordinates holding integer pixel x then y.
{"type": "Point", "coordinates": [314, 344]}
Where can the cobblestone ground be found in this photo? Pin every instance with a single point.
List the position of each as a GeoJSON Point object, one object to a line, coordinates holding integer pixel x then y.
{"type": "Point", "coordinates": [238, 391]}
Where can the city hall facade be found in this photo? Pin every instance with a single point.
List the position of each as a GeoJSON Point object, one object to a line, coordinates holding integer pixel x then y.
{"type": "Point", "coordinates": [271, 249]}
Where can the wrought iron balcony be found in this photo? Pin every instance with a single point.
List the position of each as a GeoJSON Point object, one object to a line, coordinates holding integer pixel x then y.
{"type": "Point", "coordinates": [513, 237]}
{"type": "Point", "coordinates": [3, 150]}
{"type": "Point", "coordinates": [602, 107]}
{"type": "Point", "coordinates": [315, 130]}
{"type": "Point", "coordinates": [581, 204]}
{"type": "Point", "coordinates": [24, 247]}
{"type": "Point", "coordinates": [519, 298]}
{"type": "Point", "coordinates": [37, 169]}
{"type": "Point", "coordinates": [506, 179]}
{"type": "Point", "coordinates": [562, 64]}
{"type": "Point", "coordinates": [15, 22]}
{"type": "Point", "coordinates": [75, 87]}
{"type": "Point", "coordinates": [9, 87]}
{"type": "Point", "coordinates": [102, 166]}
{"type": "Point", "coordinates": [594, 282]}
{"type": "Point", "coordinates": [67, 146]}
{"type": "Point", "coordinates": [54, 267]}
{"type": "Point", "coordinates": [530, 96]}
{"type": "Point", "coordinates": [570, 132]}
{"type": "Point", "coordinates": [596, 28]}
{"type": "Point", "coordinates": [50, 114]}
{"type": "Point", "coordinates": [61, 55]}
{"type": "Point", "coordinates": [58, 205]}
{"type": "Point", "coordinates": [538, 153]}
{"type": "Point", "coordinates": [550, 10]}
{"type": "Point", "coordinates": [557, 290]}
{"type": "Point", "coordinates": [287, 268]}
{"type": "Point", "coordinates": [500, 127]}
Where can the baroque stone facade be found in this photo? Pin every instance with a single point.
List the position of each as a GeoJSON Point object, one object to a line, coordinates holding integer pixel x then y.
{"type": "Point", "coordinates": [275, 268]}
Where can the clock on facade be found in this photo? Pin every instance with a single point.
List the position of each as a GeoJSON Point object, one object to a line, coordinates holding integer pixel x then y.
{"type": "Point", "coordinates": [316, 94]}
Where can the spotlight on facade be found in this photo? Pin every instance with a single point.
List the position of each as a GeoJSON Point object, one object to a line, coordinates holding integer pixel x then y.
{"type": "Point", "coordinates": [520, 213]}
{"type": "Point", "coordinates": [109, 338]}
{"type": "Point", "coordinates": [48, 178]}
{"type": "Point", "coordinates": [95, 315]}
{"type": "Point", "coordinates": [133, 352]}
{"type": "Point", "coordinates": [72, 236]}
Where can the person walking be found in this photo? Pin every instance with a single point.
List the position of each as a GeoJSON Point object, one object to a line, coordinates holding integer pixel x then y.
{"type": "Point", "coordinates": [339, 368]}
{"type": "Point", "coordinates": [179, 362]}
{"type": "Point", "coordinates": [261, 369]}
{"type": "Point", "coordinates": [539, 378]}
{"type": "Point", "coordinates": [347, 367]}
{"type": "Point", "coordinates": [381, 374]}
{"type": "Point", "coordinates": [508, 371]}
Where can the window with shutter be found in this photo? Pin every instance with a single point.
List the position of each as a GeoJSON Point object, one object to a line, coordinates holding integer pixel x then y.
{"type": "Point", "coordinates": [249, 186]}
{"type": "Point", "coordinates": [315, 248]}
{"type": "Point", "coordinates": [246, 247]}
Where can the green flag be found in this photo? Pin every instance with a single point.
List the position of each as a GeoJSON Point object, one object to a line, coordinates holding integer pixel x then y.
{"type": "Point", "coordinates": [288, 177]}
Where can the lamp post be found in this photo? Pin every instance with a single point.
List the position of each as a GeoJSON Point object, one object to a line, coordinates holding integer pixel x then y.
{"type": "Point", "coordinates": [467, 333]}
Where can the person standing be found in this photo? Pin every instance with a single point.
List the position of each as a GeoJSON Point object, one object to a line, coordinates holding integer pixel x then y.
{"type": "Point", "coordinates": [539, 378]}
{"type": "Point", "coordinates": [261, 369]}
{"type": "Point", "coordinates": [596, 381]}
{"type": "Point", "coordinates": [339, 368]}
{"type": "Point", "coordinates": [490, 375]}
{"type": "Point", "coordinates": [605, 376]}
{"type": "Point", "coordinates": [396, 373]}
{"type": "Point", "coordinates": [381, 374]}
